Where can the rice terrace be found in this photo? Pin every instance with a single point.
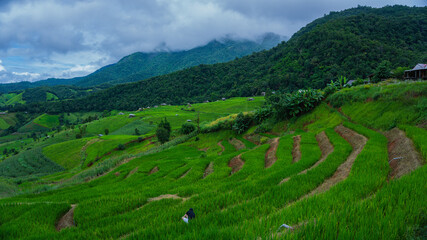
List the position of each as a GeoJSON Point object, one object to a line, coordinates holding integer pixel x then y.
{"type": "Point", "coordinates": [276, 144]}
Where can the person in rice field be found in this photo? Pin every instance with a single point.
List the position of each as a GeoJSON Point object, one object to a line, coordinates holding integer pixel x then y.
{"type": "Point", "coordinates": [188, 215]}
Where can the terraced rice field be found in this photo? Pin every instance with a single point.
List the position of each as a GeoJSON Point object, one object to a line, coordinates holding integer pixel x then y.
{"type": "Point", "coordinates": [339, 187]}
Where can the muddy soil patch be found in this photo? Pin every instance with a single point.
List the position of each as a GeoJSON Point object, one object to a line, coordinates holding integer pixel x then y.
{"type": "Point", "coordinates": [236, 164]}
{"type": "Point", "coordinates": [270, 155]}
{"type": "Point", "coordinates": [154, 170]}
{"type": "Point", "coordinates": [67, 220]}
{"type": "Point", "coordinates": [402, 155]}
{"type": "Point", "coordinates": [357, 141]}
{"type": "Point", "coordinates": [238, 145]}
{"type": "Point", "coordinates": [254, 138]}
{"type": "Point", "coordinates": [296, 151]}
{"type": "Point", "coordinates": [325, 147]}
{"type": "Point", "coordinates": [222, 147]}
{"type": "Point", "coordinates": [209, 169]}
{"type": "Point", "coordinates": [203, 149]}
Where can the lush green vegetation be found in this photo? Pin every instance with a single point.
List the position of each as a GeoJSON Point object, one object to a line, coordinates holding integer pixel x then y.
{"type": "Point", "coordinates": [114, 199]}
{"type": "Point", "coordinates": [350, 43]}
{"type": "Point", "coordinates": [128, 183]}
{"type": "Point", "coordinates": [383, 106]}
{"type": "Point", "coordinates": [46, 120]}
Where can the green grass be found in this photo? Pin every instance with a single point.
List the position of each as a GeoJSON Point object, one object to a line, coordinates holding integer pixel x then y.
{"type": "Point", "coordinates": [319, 119]}
{"type": "Point", "coordinates": [51, 96]}
{"type": "Point", "coordinates": [249, 204]}
{"type": "Point", "coordinates": [3, 124]}
{"type": "Point", "coordinates": [419, 136]}
{"type": "Point", "coordinates": [129, 129]}
{"type": "Point", "coordinates": [395, 104]}
{"type": "Point", "coordinates": [47, 121]}
{"type": "Point", "coordinates": [28, 163]}
{"type": "Point", "coordinates": [67, 154]}
{"type": "Point", "coordinates": [105, 145]}
{"type": "Point", "coordinates": [17, 98]}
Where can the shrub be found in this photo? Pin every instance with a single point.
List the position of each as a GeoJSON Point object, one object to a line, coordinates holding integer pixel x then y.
{"type": "Point", "coordinates": [242, 123]}
{"type": "Point", "coordinates": [121, 147]}
{"type": "Point", "coordinates": [263, 114]}
{"type": "Point", "coordinates": [288, 105]}
{"type": "Point", "coordinates": [187, 128]}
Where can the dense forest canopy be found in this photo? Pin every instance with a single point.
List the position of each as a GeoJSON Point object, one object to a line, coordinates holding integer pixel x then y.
{"type": "Point", "coordinates": [349, 43]}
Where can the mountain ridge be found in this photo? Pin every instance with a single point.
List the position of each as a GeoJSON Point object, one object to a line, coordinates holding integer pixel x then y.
{"type": "Point", "coordinates": [141, 65]}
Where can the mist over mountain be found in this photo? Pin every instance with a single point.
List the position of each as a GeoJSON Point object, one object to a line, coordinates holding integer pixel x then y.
{"type": "Point", "coordinates": [140, 65]}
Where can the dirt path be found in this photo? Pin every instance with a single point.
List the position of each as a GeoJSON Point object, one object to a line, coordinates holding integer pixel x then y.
{"type": "Point", "coordinates": [254, 138]}
{"type": "Point", "coordinates": [132, 172]}
{"type": "Point", "coordinates": [67, 220]}
{"type": "Point", "coordinates": [185, 174]}
{"type": "Point", "coordinates": [222, 147]}
{"type": "Point", "coordinates": [325, 146]}
{"type": "Point", "coordinates": [154, 170]}
{"type": "Point", "coordinates": [88, 143]}
{"type": "Point", "coordinates": [238, 145]}
{"type": "Point", "coordinates": [270, 155]}
{"type": "Point", "coordinates": [357, 141]}
{"type": "Point", "coordinates": [236, 164]}
{"type": "Point", "coordinates": [296, 151]}
{"type": "Point", "coordinates": [402, 154]}
{"type": "Point", "coordinates": [167, 196]}
{"type": "Point", "coordinates": [112, 169]}
{"type": "Point", "coordinates": [209, 169]}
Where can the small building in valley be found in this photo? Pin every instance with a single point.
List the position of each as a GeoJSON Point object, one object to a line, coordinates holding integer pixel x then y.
{"type": "Point", "coordinates": [131, 115]}
{"type": "Point", "coordinates": [418, 72]}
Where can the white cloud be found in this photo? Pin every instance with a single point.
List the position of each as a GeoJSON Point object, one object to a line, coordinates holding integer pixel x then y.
{"type": "Point", "coordinates": [27, 74]}
{"type": "Point", "coordinates": [2, 67]}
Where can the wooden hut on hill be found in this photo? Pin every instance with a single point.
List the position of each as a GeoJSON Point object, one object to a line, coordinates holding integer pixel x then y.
{"type": "Point", "coordinates": [418, 72]}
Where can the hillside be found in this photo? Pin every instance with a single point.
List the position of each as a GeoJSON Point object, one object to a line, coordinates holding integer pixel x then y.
{"type": "Point", "coordinates": [330, 172]}
{"type": "Point", "coordinates": [351, 43]}
{"type": "Point", "coordinates": [139, 66]}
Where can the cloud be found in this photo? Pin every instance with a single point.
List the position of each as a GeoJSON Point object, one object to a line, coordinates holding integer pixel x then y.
{"type": "Point", "coordinates": [56, 37]}
{"type": "Point", "coordinates": [1, 67]}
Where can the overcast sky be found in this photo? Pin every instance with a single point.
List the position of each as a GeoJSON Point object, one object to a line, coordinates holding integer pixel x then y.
{"type": "Point", "coordinates": [67, 38]}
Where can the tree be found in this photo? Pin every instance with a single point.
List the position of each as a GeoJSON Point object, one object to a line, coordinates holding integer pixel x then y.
{"type": "Point", "coordinates": [137, 131]}
{"type": "Point", "coordinates": [399, 72]}
{"type": "Point", "coordinates": [162, 135]}
{"type": "Point", "coordinates": [382, 71]}
{"type": "Point", "coordinates": [165, 124]}
{"type": "Point", "coordinates": [106, 131]}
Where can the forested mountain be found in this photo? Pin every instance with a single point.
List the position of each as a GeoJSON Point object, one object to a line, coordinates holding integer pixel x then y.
{"type": "Point", "coordinates": [139, 66]}
{"type": "Point", "coordinates": [350, 43]}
